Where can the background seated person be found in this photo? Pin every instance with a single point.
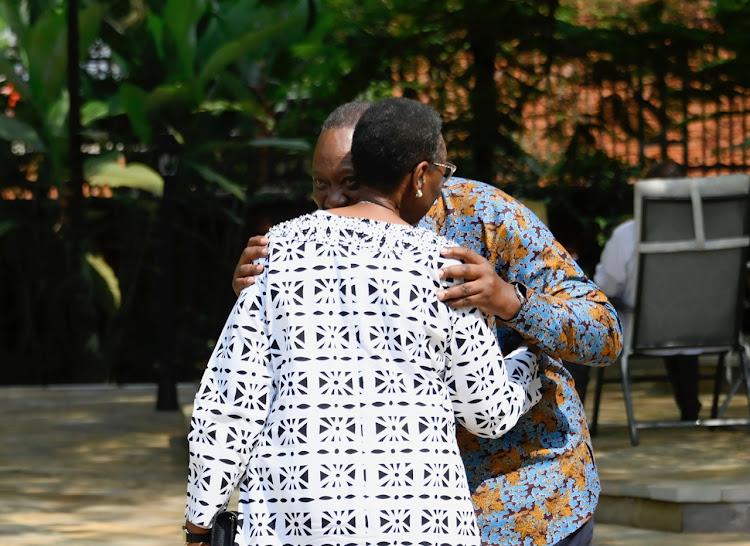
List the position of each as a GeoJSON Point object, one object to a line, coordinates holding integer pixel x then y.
{"type": "Point", "coordinates": [616, 275]}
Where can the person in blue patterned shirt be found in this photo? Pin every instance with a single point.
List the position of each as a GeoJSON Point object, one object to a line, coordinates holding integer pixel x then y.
{"type": "Point", "coordinates": [537, 485]}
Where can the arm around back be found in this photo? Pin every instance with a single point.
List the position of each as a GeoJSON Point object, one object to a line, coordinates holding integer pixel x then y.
{"type": "Point", "coordinates": [247, 268]}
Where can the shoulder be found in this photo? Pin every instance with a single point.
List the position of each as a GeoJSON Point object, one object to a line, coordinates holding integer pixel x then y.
{"type": "Point", "coordinates": [487, 204]}
{"type": "Point", "coordinates": [430, 244]}
{"type": "Point", "coordinates": [432, 240]}
{"type": "Point", "coordinates": [362, 234]}
{"type": "Point", "coordinates": [623, 235]}
{"type": "Point", "coordinates": [294, 227]}
{"type": "Point", "coordinates": [476, 199]}
{"type": "Point", "coordinates": [626, 229]}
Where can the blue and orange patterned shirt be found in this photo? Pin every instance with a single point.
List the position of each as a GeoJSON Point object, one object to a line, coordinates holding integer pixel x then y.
{"type": "Point", "coordinates": [537, 484]}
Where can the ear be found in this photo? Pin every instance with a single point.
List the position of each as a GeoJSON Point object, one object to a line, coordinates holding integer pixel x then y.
{"type": "Point", "coordinates": [419, 174]}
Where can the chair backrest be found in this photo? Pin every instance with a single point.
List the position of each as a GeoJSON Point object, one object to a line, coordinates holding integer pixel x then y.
{"type": "Point", "coordinates": [693, 237]}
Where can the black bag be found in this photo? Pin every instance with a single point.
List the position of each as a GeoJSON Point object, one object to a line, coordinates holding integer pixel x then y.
{"type": "Point", "coordinates": [224, 529]}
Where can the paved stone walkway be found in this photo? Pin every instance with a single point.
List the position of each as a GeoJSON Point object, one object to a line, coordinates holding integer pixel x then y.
{"type": "Point", "coordinates": [676, 465]}
{"type": "Point", "coordinates": [89, 466]}
{"type": "Point", "coordinates": [95, 466]}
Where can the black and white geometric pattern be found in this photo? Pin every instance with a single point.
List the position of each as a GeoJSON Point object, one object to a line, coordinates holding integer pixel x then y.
{"type": "Point", "coordinates": [332, 394]}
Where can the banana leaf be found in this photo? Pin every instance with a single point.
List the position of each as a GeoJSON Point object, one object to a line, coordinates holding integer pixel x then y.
{"type": "Point", "coordinates": [239, 48]}
{"type": "Point", "coordinates": [132, 99]}
{"type": "Point", "coordinates": [94, 110]}
{"type": "Point", "coordinates": [220, 180]}
{"type": "Point", "coordinates": [289, 144]}
{"type": "Point", "coordinates": [47, 57]}
{"type": "Point", "coordinates": [109, 172]}
{"type": "Point", "coordinates": [181, 19]}
{"type": "Point", "coordinates": [108, 278]}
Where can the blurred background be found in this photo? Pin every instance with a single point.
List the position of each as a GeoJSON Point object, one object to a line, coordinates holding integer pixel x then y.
{"type": "Point", "coordinates": [131, 179]}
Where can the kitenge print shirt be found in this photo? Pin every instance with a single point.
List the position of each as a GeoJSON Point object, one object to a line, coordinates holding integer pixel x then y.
{"type": "Point", "coordinates": [538, 483]}
{"type": "Point", "coordinates": [332, 394]}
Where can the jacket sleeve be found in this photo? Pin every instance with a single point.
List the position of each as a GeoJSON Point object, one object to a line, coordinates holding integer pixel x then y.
{"type": "Point", "coordinates": [565, 314]}
{"type": "Point", "coordinates": [230, 408]}
{"type": "Point", "coordinates": [489, 392]}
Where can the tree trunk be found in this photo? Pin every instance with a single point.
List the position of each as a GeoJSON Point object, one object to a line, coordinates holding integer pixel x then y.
{"type": "Point", "coordinates": [72, 197]}
{"type": "Point", "coordinates": [166, 398]}
{"type": "Point", "coordinates": [483, 99]}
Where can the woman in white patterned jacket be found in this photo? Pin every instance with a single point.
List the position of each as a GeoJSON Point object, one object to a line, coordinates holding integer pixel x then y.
{"type": "Point", "coordinates": [332, 394]}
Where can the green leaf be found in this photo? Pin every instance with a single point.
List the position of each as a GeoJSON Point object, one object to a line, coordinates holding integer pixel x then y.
{"type": "Point", "coordinates": [10, 11]}
{"type": "Point", "coordinates": [155, 27]}
{"type": "Point", "coordinates": [290, 144]}
{"type": "Point", "coordinates": [111, 173]}
{"type": "Point", "coordinates": [173, 96]}
{"type": "Point", "coordinates": [231, 21]}
{"type": "Point", "coordinates": [176, 135]}
{"type": "Point", "coordinates": [94, 110]}
{"type": "Point", "coordinates": [47, 57]}
{"type": "Point", "coordinates": [133, 101]}
{"type": "Point", "coordinates": [181, 18]}
{"type": "Point", "coordinates": [239, 48]}
{"type": "Point", "coordinates": [12, 129]}
{"type": "Point", "coordinates": [108, 277]}
{"type": "Point", "coordinates": [57, 116]}
{"type": "Point", "coordinates": [89, 21]}
{"type": "Point", "coordinates": [287, 144]}
{"type": "Point", "coordinates": [250, 107]}
{"type": "Point", "coordinates": [224, 183]}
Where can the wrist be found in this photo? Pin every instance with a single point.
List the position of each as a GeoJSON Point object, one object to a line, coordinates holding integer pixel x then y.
{"type": "Point", "coordinates": [196, 535]}
{"type": "Point", "coordinates": [512, 297]}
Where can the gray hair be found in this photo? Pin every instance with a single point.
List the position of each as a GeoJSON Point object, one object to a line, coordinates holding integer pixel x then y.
{"type": "Point", "coordinates": [345, 116]}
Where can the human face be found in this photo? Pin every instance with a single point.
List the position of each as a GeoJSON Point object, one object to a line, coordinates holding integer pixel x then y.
{"type": "Point", "coordinates": [332, 170]}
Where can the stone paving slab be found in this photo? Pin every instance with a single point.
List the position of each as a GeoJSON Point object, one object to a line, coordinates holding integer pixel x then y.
{"type": "Point", "coordinates": [89, 466]}
{"type": "Point", "coordinates": [82, 466]}
{"type": "Point", "coordinates": [676, 465]}
{"type": "Point", "coordinates": [618, 535]}
{"type": "Point", "coordinates": [685, 478]}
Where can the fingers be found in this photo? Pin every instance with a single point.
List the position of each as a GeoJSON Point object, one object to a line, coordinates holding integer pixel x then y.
{"type": "Point", "coordinates": [458, 292]}
{"type": "Point", "coordinates": [463, 254]}
{"type": "Point", "coordinates": [244, 276]}
{"type": "Point", "coordinates": [248, 270]}
{"type": "Point", "coordinates": [252, 253]}
{"type": "Point", "coordinates": [467, 272]}
{"type": "Point", "coordinates": [470, 301]}
{"type": "Point", "coordinates": [245, 271]}
{"type": "Point", "coordinates": [257, 240]}
{"type": "Point", "coordinates": [240, 283]}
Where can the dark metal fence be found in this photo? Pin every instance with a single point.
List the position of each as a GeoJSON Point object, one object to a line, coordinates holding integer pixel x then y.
{"type": "Point", "coordinates": [640, 117]}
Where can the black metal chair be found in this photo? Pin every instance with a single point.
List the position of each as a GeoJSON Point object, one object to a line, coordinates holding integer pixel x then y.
{"type": "Point", "coordinates": [693, 236]}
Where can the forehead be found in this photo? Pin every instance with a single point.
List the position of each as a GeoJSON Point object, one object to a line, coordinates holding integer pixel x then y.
{"type": "Point", "coordinates": [333, 150]}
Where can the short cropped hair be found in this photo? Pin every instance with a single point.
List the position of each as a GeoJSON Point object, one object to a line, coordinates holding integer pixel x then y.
{"type": "Point", "coordinates": [345, 116]}
{"type": "Point", "coordinates": [391, 138]}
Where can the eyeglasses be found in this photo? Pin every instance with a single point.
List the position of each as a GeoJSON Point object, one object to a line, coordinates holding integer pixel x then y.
{"type": "Point", "coordinates": [450, 168]}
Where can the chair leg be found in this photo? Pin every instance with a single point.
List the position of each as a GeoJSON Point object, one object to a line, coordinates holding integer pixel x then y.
{"type": "Point", "coordinates": [597, 400]}
{"type": "Point", "coordinates": [632, 428]}
{"type": "Point", "coordinates": [745, 369]}
{"type": "Point", "coordinates": [718, 378]}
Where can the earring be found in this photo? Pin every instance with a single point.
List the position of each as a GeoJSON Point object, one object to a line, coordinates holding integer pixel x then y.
{"type": "Point", "coordinates": [419, 193]}
{"type": "Point", "coordinates": [419, 189]}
